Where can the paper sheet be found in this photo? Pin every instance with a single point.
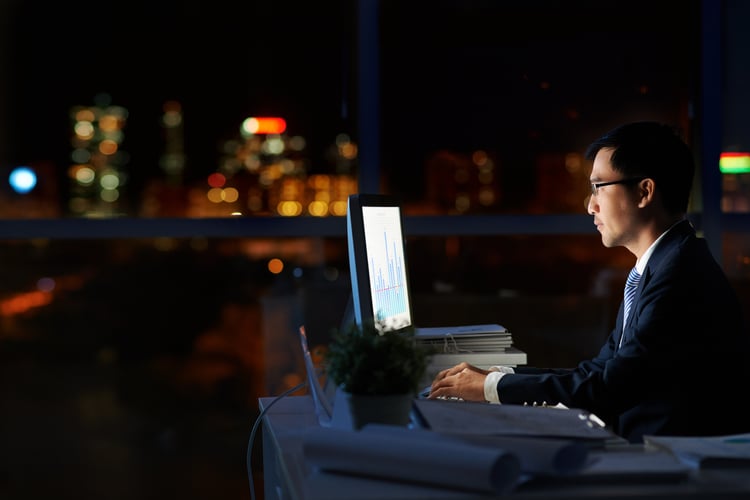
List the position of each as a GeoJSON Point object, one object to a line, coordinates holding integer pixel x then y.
{"type": "Point", "coordinates": [510, 420]}
{"type": "Point", "coordinates": [705, 452]}
{"type": "Point", "coordinates": [413, 458]}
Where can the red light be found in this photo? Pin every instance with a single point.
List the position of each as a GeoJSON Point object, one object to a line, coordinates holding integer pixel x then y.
{"type": "Point", "coordinates": [216, 180]}
{"type": "Point", "coordinates": [264, 125]}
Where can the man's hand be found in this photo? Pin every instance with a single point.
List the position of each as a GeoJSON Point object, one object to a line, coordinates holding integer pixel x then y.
{"type": "Point", "coordinates": [463, 381]}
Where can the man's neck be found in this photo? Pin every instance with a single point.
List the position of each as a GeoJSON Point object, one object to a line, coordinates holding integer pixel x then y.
{"type": "Point", "coordinates": [652, 232]}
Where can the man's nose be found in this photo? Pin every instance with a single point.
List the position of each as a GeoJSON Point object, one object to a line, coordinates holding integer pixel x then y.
{"type": "Point", "coordinates": [590, 204]}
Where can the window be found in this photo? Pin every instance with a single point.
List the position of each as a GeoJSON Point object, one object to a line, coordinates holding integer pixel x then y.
{"type": "Point", "coordinates": [141, 303]}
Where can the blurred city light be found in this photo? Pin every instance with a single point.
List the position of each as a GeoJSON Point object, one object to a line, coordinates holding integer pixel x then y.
{"type": "Point", "coordinates": [263, 125]}
{"type": "Point", "coordinates": [734, 163]}
{"type": "Point", "coordinates": [22, 179]}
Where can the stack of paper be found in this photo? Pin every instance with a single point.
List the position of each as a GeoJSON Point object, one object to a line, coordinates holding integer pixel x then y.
{"type": "Point", "coordinates": [466, 339]}
{"type": "Point", "coordinates": [481, 345]}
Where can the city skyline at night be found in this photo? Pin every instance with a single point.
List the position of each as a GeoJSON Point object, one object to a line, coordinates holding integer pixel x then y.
{"type": "Point", "coordinates": [459, 78]}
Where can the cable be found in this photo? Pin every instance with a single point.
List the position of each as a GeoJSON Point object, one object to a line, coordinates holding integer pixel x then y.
{"type": "Point", "coordinates": [255, 429]}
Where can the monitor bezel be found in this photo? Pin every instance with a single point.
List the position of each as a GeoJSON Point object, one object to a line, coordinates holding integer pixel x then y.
{"type": "Point", "coordinates": [358, 262]}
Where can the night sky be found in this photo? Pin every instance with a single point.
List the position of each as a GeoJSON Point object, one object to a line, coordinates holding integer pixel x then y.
{"type": "Point", "coordinates": [454, 74]}
{"type": "Point", "coordinates": [224, 60]}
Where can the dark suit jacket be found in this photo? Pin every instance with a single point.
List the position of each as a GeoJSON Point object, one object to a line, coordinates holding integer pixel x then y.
{"type": "Point", "coordinates": [684, 365]}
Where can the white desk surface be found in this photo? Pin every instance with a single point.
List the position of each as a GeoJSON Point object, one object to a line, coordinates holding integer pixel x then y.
{"type": "Point", "coordinates": [288, 476]}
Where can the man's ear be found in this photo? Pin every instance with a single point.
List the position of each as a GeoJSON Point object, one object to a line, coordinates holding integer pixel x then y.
{"type": "Point", "coordinates": [646, 190]}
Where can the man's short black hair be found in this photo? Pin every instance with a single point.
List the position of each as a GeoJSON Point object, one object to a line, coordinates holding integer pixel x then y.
{"type": "Point", "coordinates": [654, 150]}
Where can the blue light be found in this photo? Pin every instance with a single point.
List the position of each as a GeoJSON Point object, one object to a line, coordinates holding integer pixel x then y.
{"type": "Point", "coordinates": [22, 179]}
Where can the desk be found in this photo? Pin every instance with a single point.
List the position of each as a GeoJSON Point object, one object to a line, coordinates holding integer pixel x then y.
{"type": "Point", "coordinates": [288, 477]}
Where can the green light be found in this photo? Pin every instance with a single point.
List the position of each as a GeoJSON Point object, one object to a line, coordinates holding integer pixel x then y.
{"type": "Point", "coordinates": [734, 163]}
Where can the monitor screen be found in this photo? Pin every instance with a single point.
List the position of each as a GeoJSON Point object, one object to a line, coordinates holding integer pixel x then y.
{"type": "Point", "coordinates": [377, 262]}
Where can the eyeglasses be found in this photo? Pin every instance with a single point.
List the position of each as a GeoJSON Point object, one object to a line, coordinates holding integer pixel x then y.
{"type": "Point", "coordinates": [596, 185]}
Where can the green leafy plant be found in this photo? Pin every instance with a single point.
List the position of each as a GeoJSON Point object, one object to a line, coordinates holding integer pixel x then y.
{"type": "Point", "coordinates": [366, 361]}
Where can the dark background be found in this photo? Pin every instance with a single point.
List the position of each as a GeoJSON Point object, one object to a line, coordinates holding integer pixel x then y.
{"type": "Point", "coordinates": [224, 60]}
{"type": "Point", "coordinates": [508, 77]}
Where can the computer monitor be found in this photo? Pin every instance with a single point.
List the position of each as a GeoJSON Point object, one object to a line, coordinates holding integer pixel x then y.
{"type": "Point", "coordinates": [377, 262]}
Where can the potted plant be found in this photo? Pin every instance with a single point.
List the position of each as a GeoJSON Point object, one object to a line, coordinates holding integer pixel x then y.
{"type": "Point", "coordinates": [379, 373]}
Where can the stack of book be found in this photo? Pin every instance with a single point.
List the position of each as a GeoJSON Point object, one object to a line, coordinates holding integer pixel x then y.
{"type": "Point", "coordinates": [481, 345]}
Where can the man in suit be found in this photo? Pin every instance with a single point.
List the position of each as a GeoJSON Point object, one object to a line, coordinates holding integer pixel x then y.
{"type": "Point", "coordinates": [680, 361]}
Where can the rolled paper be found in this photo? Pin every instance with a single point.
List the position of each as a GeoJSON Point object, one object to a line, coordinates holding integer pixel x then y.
{"type": "Point", "coordinates": [398, 454]}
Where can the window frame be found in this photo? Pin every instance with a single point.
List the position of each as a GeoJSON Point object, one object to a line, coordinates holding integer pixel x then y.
{"type": "Point", "coordinates": [708, 216]}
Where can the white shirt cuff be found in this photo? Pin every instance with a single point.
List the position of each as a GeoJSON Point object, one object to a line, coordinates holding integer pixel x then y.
{"type": "Point", "coordinates": [490, 382]}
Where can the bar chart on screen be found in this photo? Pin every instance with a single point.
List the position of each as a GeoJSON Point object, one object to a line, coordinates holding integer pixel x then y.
{"type": "Point", "coordinates": [386, 265]}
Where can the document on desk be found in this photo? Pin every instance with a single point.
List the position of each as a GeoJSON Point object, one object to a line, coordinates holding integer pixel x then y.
{"type": "Point", "coordinates": [462, 339]}
{"type": "Point", "coordinates": [627, 464]}
{"type": "Point", "coordinates": [419, 457]}
{"type": "Point", "coordinates": [705, 452]}
{"type": "Point", "coordinates": [465, 417]}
